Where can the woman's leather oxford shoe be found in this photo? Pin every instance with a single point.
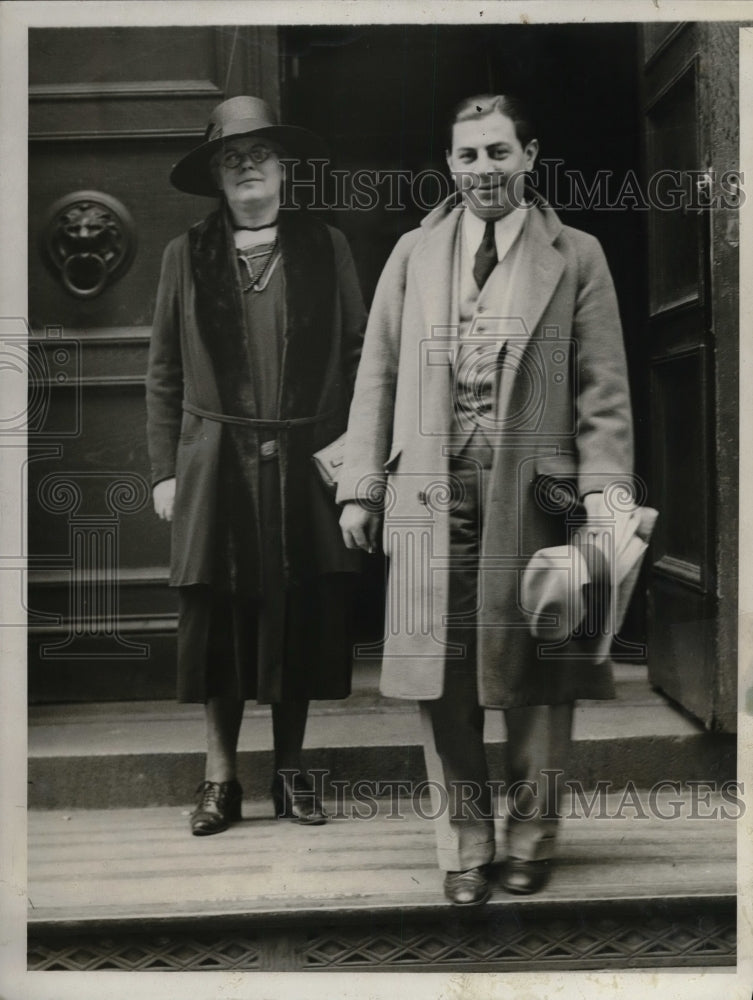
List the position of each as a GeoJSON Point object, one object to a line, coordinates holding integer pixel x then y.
{"type": "Point", "coordinates": [219, 805]}
{"type": "Point", "coordinates": [294, 798]}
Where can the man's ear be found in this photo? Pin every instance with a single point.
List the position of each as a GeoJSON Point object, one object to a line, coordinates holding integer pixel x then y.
{"type": "Point", "coordinates": [532, 151]}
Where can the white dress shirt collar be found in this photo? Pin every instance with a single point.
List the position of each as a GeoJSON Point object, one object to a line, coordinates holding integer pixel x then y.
{"type": "Point", "coordinates": [506, 230]}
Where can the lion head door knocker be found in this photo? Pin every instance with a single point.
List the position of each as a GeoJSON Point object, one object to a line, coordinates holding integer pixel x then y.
{"type": "Point", "coordinates": [89, 240]}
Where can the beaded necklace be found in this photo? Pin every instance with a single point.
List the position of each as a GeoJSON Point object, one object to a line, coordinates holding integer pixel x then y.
{"type": "Point", "coordinates": [260, 263]}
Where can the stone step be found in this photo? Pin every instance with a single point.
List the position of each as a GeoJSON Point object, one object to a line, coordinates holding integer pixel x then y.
{"type": "Point", "coordinates": [133, 754]}
{"type": "Point", "coordinates": [131, 889]}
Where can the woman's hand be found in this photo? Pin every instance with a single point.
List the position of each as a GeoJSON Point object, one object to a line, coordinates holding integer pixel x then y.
{"type": "Point", "coordinates": [163, 495]}
{"type": "Point", "coordinates": [360, 527]}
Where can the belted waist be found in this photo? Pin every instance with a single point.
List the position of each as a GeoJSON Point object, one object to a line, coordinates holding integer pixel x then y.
{"type": "Point", "coordinates": [272, 425]}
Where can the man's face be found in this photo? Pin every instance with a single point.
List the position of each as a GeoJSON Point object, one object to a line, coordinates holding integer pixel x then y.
{"type": "Point", "coordinates": [248, 170]}
{"type": "Point", "coordinates": [488, 163]}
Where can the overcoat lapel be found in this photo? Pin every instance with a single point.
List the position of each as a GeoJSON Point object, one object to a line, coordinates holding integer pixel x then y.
{"type": "Point", "coordinates": [309, 260]}
{"type": "Point", "coordinates": [219, 319]}
{"type": "Point", "coordinates": [537, 274]}
{"type": "Point", "coordinates": [219, 312]}
{"type": "Point", "coordinates": [434, 265]}
{"type": "Point", "coordinates": [310, 284]}
{"type": "Point", "coordinates": [539, 269]}
{"type": "Point", "coordinates": [434, 261]}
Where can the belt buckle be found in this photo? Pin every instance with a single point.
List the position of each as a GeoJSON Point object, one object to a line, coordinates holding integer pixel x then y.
{"type": "Point", "coordinates": [268, 449]}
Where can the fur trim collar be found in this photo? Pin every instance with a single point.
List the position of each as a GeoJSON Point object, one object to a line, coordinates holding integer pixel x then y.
{"type": "Point", "coordinates": [308, 260]}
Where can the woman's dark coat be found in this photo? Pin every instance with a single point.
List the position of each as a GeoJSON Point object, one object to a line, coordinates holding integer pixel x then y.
{"type": "Point", "coordinates": [199, 356]}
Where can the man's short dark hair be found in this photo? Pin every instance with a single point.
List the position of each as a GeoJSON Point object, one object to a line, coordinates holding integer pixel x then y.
{"type": "Point", "coordinates": [486, 104]}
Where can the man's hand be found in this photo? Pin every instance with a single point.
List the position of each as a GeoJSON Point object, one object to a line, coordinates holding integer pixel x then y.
{"type": "Point", "coordinates": [163, 495]}
{"type": "Point", "coordinates": [600, 516]}
{"type": "Point", "coordinates": [360, 527]}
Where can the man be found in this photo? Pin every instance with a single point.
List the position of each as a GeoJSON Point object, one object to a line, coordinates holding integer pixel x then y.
{"type": "Point", "coordinates": [493, 365]}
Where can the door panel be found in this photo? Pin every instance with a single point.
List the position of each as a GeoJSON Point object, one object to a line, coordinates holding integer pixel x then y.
{"type": "Point", "coordinates": [111, 109]}
{"type": "Point", "coordinates": [675, 237]}
{"type": "Point", "coordinates": [691, 651]}
{"type": "Point", "coordinates": [681, 548]}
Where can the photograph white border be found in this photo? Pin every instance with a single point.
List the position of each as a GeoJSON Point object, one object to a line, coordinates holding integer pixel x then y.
{"type": "Point", "coordinates": [16, 983]}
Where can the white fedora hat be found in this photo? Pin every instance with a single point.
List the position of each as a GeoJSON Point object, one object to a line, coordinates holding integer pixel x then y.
{"type": "Point", "coordinates": [581, 591]}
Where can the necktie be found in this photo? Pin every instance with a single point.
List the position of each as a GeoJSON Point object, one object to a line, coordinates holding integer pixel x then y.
{"type": "Point", "coordinates": [486, 256]}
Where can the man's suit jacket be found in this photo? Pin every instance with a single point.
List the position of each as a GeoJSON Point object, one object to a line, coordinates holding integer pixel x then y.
{"type": "Point", "coordinates": [563, 414]}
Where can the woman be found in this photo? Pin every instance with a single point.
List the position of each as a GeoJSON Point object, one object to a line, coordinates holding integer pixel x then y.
{"type": "Point", "coordinates": [257, 333]}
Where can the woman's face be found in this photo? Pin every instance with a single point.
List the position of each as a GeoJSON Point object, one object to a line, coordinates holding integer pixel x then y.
{"type": "Point", "coordinates": [249, 172]}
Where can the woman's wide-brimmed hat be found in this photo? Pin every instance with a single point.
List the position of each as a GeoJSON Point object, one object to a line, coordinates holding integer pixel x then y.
{"type": "Point", "coordinates": [241, 116]}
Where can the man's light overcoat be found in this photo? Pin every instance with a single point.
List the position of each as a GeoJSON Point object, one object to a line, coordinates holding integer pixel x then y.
{"type": "Point", "coordinates": [563, 427]}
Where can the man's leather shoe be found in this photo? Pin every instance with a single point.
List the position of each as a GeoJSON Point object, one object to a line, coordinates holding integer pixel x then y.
{"type": "Point", "coordinates": [469, 888]}
{"type": "Point", "coordinates": [295, 799]}
{"type": "Point", "coordinates": [219, 805]}
{"type": "Point", "coordinates": [525, 877]}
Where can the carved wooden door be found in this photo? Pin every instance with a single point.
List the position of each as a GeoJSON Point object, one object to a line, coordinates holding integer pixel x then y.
{"type": "Point", "coordinates": [690, 129]}
{"type": "Point", "coordinates": [110, 110]}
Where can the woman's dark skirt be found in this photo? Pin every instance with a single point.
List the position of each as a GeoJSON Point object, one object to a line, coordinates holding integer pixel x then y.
{"type": "Point", "coordinates": [290, 645]}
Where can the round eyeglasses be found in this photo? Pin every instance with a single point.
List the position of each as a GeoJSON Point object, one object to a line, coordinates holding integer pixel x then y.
{"type": "Point", "coordinates": [257, 154]}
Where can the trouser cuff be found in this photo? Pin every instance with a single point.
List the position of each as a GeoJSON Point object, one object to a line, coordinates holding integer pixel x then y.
{"type": "Point", "coordinates": [468, 856]}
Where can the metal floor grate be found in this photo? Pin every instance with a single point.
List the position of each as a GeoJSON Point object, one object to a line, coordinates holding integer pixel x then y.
{"type": "Point", "coordinates": [494, 939]}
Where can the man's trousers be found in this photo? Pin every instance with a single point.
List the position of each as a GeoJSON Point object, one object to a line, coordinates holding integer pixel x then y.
{"type": "Point", "coordinates": [538, 736]}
